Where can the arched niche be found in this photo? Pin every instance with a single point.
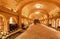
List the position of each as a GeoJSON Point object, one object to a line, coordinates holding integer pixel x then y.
{"type": "Point", "coordinates": [54, 23]}
{"type": "Point", "coordinates": [13, 23]}
{"type": "Point", "coordinates": [12, 20]}
{"type": "Point", "coordinates": [25, 21]}
{"type": "Point", "coordinates": [2, 23]}
{"type": "Point", "coordinates": [46, 22]}
{"type": "Point", "coordinates": [58, 22]}
{"type": "Point", "coordinates": [50, 22]}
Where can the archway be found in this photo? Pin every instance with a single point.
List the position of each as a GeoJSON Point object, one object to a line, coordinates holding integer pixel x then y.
{"type": "Point", "coordinates": [3, 23]}
{"type": "Point", "coordinates": [13, 24]}
{"type": "Point", "coordinates": [53, 23]}
{"type": "Point", "coordinates": [58, 23]}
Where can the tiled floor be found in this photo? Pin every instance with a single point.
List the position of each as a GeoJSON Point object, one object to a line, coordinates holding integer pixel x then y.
{"type": "Point", "coordinates": [39, 31]}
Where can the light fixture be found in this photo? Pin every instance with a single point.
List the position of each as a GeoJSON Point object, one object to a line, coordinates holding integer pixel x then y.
{"type": "Point", "coordinates": [37, 12]}
{"type": "Point", "coordinates": [37, 5]}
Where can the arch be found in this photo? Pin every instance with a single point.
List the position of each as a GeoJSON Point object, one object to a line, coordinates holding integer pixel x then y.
{"type": "Point", "coordinates": [12, 20]}
{"type": "Point", "coordinates": [41, 10]}
{"type": "Point", "coordinates": [54, 23]}
{"type": "Point", "coordinates": [33, 1]}
{"type": "Point", "coordinates": [3, 22]}
{"type": "Point", "coordinates": [33, 15]}
{"type": "Point", "coordinates": [13, 25]}
{"type": "Point", "coordinates": [47, 11]}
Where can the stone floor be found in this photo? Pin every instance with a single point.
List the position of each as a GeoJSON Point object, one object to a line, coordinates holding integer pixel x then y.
{"type": "Point", "coordinates": [39, 31]}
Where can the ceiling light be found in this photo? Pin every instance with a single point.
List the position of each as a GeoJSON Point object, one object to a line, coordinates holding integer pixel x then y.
{"type": "Point", "coordinates": [38, 5]}
{"type": "Point", "coordinates": [37, 12]}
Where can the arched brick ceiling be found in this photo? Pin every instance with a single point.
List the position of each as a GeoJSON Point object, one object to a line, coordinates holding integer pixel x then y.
{"type": "Point", "coordinates": [31, 7]}
{"type": "Point", "coordinates": [47, 6]}
{"type": "Point", "coordinates": [10, 4]}
{"type": "Point", "coordinates": [24, 2]}
{"type": "Point", "coordinates": [42, 11]}
{"type": "Point", "coordinates": [18, 4]}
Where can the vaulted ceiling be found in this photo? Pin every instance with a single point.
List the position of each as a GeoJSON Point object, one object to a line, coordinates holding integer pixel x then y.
{"type": "Point", "coordinates": [13, 4]}
{"type": "Point", "coordinates": [28, 9]}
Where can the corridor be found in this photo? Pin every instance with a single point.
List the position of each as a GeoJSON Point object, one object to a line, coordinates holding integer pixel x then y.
{"type": "Point", "coordinates": [18, 19]}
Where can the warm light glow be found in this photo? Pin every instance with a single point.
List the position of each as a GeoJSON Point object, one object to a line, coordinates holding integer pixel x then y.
{"type": "Point", "coordinates": [37, 12]}
{"type": "Point", "coordinates": [38, 5]}
{"type": "Point", "coordinates": [11, 20]}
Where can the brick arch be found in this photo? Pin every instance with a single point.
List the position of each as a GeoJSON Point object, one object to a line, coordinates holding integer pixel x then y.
{"type": "Point", "coordinates": [14, 19]}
